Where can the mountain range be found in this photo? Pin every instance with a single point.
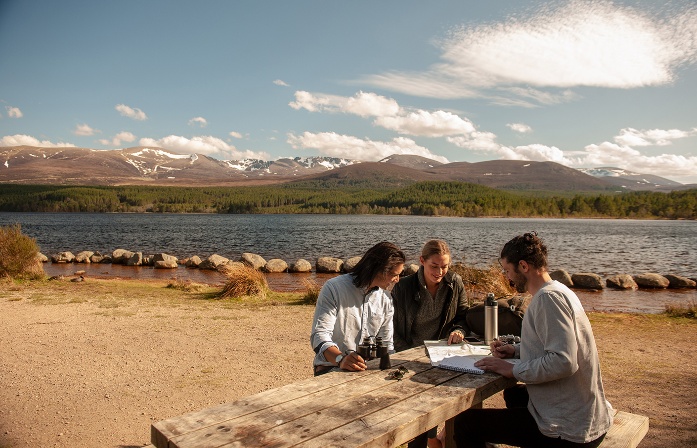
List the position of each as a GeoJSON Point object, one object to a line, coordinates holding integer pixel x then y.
{"type": "Point", "coordinates": [158, 166]}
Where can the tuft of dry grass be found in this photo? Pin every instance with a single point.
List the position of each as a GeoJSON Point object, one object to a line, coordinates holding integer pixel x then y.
{"type": "Point", "coordinates": [186, 285]}
{"type": "Point", "coordinates": [244, 281]}
{"type": "Point", "coordinates": [688, 310]}
{"type": "Point", "coordinates": [478, 282]}
{"type": "Point", "coordinates": [311, 291]}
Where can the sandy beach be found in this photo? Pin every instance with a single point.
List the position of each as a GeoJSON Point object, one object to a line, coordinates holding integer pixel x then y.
{"type": "Point", "coordinates": [95, 363]}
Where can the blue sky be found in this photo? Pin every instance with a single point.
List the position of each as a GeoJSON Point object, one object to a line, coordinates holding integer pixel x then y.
{"type": "Point", "coordinates": [582, 83]}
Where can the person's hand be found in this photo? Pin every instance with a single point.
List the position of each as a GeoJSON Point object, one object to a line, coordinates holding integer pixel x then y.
{"type": "Point", "coordinates": [496, 365]}
{"type": "Point", "coordinates": [353, 362]}
{"type": "Point", "coordinates": [456, 337]}
{"type": "Point", "coordinates": [501, 350]}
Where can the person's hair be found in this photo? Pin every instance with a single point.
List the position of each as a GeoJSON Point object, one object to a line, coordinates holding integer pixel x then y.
{"type": "Point", "coordinates": [435, 247]}
{"type": "Point", "coordinates": [382, 257]}
{"type": "Point", "coordinates": [528, 247]}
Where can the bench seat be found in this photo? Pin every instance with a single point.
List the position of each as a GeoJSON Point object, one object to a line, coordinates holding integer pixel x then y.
{"type": "Point", "coordinates": [626, 431]}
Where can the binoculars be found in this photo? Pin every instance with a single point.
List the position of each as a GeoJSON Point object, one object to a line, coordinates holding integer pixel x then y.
{"type": "Point", "coordinates": [371, 348]}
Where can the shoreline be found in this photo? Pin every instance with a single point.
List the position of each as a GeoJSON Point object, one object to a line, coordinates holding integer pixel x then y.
{"type": "Point", "coordinates": [607, 300]}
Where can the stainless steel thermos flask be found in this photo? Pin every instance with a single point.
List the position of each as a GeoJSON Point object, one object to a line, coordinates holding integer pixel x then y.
{"type": "Point", "coordinates": [491, 318]}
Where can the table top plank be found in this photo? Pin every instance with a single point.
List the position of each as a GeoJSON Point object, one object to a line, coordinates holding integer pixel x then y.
{"type": "Point", "coordinates": [372, 391]}
{"type": "Point", "coordinates": [179, 425]}
{"type": "Point", "coordinates": [176, 426]}
{"type": "Point", "coordinates": [400, 422]}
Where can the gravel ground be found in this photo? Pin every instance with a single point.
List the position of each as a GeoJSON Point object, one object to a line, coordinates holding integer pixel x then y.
{"type": "Point", "coordinates": [95, 366]}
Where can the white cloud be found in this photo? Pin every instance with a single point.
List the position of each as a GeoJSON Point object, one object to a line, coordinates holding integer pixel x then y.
{"type": "Point", "coordinates": [430, 124]}
{"type": "Point", "coordinates": [118, 139]}
{"type": "Point", "coordinates": [651, 137]}
{"type": "Point", "coordinates": [235, 134]}
{"type": "Point", "coordinates": [477, 141]}
{"type": "Point", "coordinates": [362, 104]}
{"type": "Point", "coordinates": [28, 140]}
{"type": "Point", "coordinates": [520, 127]}
{"type": "Point", "coordinates": [84, 130]}
{"type": "Point", "coordinates": [205, 144]}
{"type": "Point", "coordinates": [14, 112]}
{"type": "Point", "coordinates": [387, 112]}
{"type": "Point", "coordinates": [131, 112]}
{"type": "Point", "coordinates": [198, 121]}
{"type": "Point", "coordinates": [280, 82]}
{"type": "Point", "coordinates": [558, 46]}
{"type": "Point", "coordinates": [346, 146]}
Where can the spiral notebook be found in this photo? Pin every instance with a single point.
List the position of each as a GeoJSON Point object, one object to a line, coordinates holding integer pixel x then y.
{"type": "Point", "coordinates": [458, 357]}
{"type": "Point", "coordinates": [462, 363]}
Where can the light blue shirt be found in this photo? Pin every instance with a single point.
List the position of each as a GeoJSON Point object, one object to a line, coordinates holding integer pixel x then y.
{"type": "Point", "coordinates": [345, 314]}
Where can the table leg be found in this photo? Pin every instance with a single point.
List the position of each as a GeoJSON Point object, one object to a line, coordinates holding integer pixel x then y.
{"type": "Point", "coordinates": [449, 441]}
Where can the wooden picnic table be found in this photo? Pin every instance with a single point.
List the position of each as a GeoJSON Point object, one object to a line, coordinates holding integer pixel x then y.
{"type": "Point", "coordinates": [341, 409]}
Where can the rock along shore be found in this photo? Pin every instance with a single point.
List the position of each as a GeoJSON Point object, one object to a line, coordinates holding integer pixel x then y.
{"type": "Point", "coordinates": [580, 280]}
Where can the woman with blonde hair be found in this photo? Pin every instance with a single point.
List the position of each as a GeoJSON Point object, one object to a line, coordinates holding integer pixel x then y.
{"type": "Point", "coordinates": [430, 304]}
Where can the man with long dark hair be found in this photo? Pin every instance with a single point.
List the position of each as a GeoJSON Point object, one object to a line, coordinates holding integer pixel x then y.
{"type": "Point", "coordinates": [353, 306]}
{"type": "Point", "coordinates": [562, 403]}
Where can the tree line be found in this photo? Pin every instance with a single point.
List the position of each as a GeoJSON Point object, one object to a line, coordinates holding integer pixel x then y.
{"type": "Point", "coordinates": [421, 198]}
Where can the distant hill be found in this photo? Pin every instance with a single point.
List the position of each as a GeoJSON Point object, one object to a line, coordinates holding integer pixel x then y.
{"type": "Point", "coordinates": [158, 166]}
{"type": "Point", "coordinates": [628, 180]}
{"type": "Point", "coordinates": [153, 166]}
{"type": "Point", "coordinates": [520, 175]}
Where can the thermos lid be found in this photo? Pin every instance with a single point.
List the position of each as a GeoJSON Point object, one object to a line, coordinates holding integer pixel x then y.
{"type": "Point", "coordinates": [491, 300]}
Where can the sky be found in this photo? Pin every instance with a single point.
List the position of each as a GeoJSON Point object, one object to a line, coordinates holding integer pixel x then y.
{"type": "Point", "coordinates": [586, 84]}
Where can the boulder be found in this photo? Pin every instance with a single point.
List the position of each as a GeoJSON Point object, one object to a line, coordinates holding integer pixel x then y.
{"type": "Point", "coordinates": [193, 262]}
{"type": "Point", "coordinates": [41, 257]}
{"type": "Point", "coordinates": [651, 280]}
{"type": "Point", "coordinates": [678, 282]}
{"type": "Point", "coordinates": [562, 277]}
{"type": "Point", "coordinates": [148, 260]}
{"type": "Point", "coordinates": [275, 265]}
{"type": "Point", "coordinates": [329, 265]}
{"type": "Point", "coordinates": [231, 266]}
{"type": "Point", "coordinates": [621, 281]}
{"type": "Point", "coordinates": [300, 265]}
{"type": "Point", "coordinates": [105, 259]}
{"type": "Point", "coordinates": [164, 261]}
{"type": "Point", "coordinates": [120, 256]}
{"type": "Point", "coordinates": [213, 262]}
{"type": "Point", "coordinates": [135, 260]}
{"type": "Point", "coordinates": [96, 257]}
{"type": "Point", "coordinates": [253, 260]}
{"type": "Point", "coordinates": [411, 268]}
{"type": "Point", "coordinates": [587, 280]}
{"type": "Point", "coordinates": [63, 257]}
{"type": "Point", "coordinates": [84, 256]}
{"type": "Point", "coordinates": [351, 263]}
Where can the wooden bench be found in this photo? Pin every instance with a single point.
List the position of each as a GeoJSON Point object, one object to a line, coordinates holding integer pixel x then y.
{"type": "Point", "coordinates": [626, 431]}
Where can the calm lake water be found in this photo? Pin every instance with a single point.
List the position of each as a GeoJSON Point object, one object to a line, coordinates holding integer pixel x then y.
{"type": "Point", "coordinates": [605, 247]}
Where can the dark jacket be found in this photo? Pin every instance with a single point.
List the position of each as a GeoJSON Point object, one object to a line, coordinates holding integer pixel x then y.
{"type": "Point", "coordinates": [407, 296]}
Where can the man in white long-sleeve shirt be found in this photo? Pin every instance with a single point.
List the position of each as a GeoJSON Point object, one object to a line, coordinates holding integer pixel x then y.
{"type": "Point", "coordinates": [562, 403]}
{"type": "Point", "coordinates": [353, 306]}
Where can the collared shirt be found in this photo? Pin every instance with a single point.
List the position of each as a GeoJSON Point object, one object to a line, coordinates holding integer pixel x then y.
{"type": "Point", "coordinates": [345, 314]}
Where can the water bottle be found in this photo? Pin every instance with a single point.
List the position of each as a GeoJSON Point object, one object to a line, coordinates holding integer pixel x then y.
{"type": "Point", "coordinates": [491, 318]}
